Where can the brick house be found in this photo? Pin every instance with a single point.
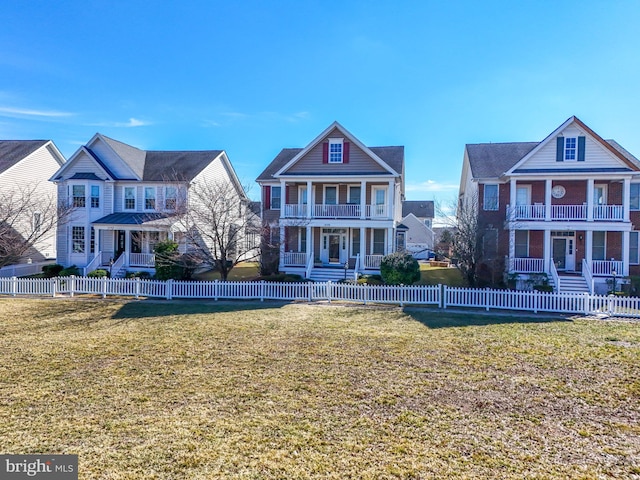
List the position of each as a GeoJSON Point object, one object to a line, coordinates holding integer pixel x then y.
{"type": "Point", "coordinates": [568, 206]}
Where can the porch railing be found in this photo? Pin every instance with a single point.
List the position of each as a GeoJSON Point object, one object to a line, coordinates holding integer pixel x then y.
{"type": "Point", "coordinates": [607, 267]}
{"type": "Point", "coordinates": [372, 261]}
{"type": "Point", "coordinates": [294, 259]}
{"type": "Point", "coordinates": [377, 211]}
{"type": "Point", "coordinates": [588, 276]}
{"type": "Point", "coordinates": [608, 212]}
{"type": "Point", "coordinates": [526, 265]}
{"type": "Point", "coordinates": [94, 264]}
{"type": "Point", "coordinates": [142, 260]}
{"type": "Point", "coordinates": [295, 210]}
{"type": "Point", "coordinates": [347, 210]}
{"type": "Point", "coordinates": [554, 274]}
{"type": "Point", "coordinates": [566, 212]}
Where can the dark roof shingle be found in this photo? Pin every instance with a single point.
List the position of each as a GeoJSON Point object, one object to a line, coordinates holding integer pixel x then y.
{"type": "Point", "coordinates": [12, 151]}
{"type": "Point", "coordinates": [420, 208]}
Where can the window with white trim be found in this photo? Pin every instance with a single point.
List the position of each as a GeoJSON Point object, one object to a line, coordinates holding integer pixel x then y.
{"type": "Point", "coordinates": [149, 198]}
{"type": "Point", "coordinates": [95, 196]}
{"type": "Point", "coordinates": [633, 248]}
{"type": "Point", "coordinates": [276, 198]}
{"type": "Point", "coordinates": [330, 195]}
{"type": "Point", "coordinates": [379, 237]}
{"type": "Point", "coordinates": [92, 241]}
{"type": "Point", "coordinates": [77, 239]}
{"type": "Point", "coordinates": [490, 200]}
{"type": "Point", "coordinates": [78, 196]}
{"type": "Point", "coordinates": [354, 194]}
{"type": "Point", "coordinates": [599, 246]}
{"type": "Point", "coordinates": [170, 198]}
{"type": "Point", "coordinates": [335, 150]}
{"type": "Point", "coordinates": [302, 239]}
{"type": "Point", "coordinates": [634, 200]}
{"type": "Point", "coordinates": [570, 148]}
{"type": "Point", "coordinates": [129, 198]}
{"type": "Point", "coordinates": [355, 242]}
{"type": "Point", "coordinates": [522, 244]}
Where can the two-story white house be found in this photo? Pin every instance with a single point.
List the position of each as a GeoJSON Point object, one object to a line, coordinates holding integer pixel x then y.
{"type": "Point", "coordinates": [25, 168]}
{"type": "Point", "coordinates": [567, 206]}
{"type": "Point", "coordinates": [126, 200]}
{"type": "Point", "coordinates": [332, 207]}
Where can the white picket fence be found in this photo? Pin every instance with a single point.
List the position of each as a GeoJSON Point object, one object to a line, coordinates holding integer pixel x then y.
{"type": "Point", "coordinates": [441, 296]}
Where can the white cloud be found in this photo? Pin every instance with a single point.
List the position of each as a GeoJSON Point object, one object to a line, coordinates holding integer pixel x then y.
{"type": "Point", "coordinates": [133, 122]}
{"type": "Point", "coordinates": [432, 186]}
{"type": "Point", "coordinates": [27, 112]}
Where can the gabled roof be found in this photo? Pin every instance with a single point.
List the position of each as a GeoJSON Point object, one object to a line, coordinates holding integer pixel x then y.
{"type": "Point", "coordinates": [390, 158]}
{"type": "Point", "coordinates": [131, 218]}
{"type": "Point", "coordinates": [12, 151]}
{"type": "Point", "coordinates": [151, 165]}
{"type": "Point", "coordinates": [419, 208]}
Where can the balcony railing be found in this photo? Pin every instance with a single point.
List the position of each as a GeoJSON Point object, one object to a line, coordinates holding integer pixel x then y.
{"type": "Point", "coordinates": [335, 211]}
{"type": "Point", "coordinates": [566, 212]}
{"type": "Point", "coordinates": [372, 261]}
{"type": "Point", "coordinates": [526, 265]}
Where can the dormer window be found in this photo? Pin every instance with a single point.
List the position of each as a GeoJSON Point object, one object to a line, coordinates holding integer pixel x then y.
{"type": "Point", "coordinates": [335, 150]}
{"type": "Point", "coordinates": [570, 149]}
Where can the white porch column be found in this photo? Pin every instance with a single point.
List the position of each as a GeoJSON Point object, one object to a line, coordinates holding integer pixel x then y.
{"type": "Point", "coordinates": [391, 200]}
{"type": "Point", "coordinates": [512, 248]}
{"type": "Point", "coordinates": [626, 198]}
{"type": "Point", "coordinates": [310, 198]}
{"type": "Point", "coordinates": [283, 198]}
{"type": "Point", "coordinates": [127, 246]}
{"type": "Point", "coordinates": [363, 246]}
{"type": "Point", "coordinates": [588, 248]}
{"type": "Point", "coordinates": [281, 240]}
{"type": "Point", "coordinates": [625, 253]}
{"type": "Point", "coordinates": [590, 184]}
{"type": "Point", "coordinates": [546, 252]}
{"type": "Point", "coordinates": [512, 204]}
{"type": "Point", "coordinates": [312, 202]}
{"type": "Point", "coordinates": [547, 202]}
{"type": "Point", "coordinates": [309, 242]}
{"type": "Point", "coordinates": [363, 199]}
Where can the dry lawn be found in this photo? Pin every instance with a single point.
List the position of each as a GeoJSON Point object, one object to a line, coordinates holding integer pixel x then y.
{"type": "Point", "coordinates": [144, 390]}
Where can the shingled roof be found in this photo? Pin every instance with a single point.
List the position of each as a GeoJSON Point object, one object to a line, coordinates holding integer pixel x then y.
{"type": "Point", "coordinates": [392, 156]}
{"type": "Point", "coordinates": [420, 208]}
{"type": "Point", "coordinates": [162, 165]}
{"type": "Point", "coordinates": [12, 151]}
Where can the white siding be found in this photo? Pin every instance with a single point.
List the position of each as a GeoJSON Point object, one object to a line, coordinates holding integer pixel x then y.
{"type": "Point", "coordinates": [83, 163]}
{"type": "Point", "coordinates": [111, 160]}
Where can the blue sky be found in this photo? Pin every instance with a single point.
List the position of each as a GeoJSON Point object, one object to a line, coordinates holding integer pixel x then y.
{"type": "Point", "coordinates": [252, 77]}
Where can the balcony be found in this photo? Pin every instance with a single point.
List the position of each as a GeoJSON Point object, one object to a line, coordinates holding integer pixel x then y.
{"type": "Point", "coordinates": [567, 212]}
{"type": "Point", "coordinates": [347, 210]}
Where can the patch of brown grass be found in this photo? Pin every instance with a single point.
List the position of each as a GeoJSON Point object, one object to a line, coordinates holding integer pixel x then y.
{"type": "Point", "coordinates": [249, 390]}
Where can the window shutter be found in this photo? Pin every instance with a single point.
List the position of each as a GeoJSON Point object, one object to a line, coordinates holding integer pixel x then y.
{"type": "Point", "coordinates": [325, 152]}
{"type": "Point", "coordinates": [345, 152]}
{"type": "Point", "coordinates": [581, 143]}
{"type": "Point", "coordinates": [559, 149]}
{"type": "Point", "coordinates": [267, 197]}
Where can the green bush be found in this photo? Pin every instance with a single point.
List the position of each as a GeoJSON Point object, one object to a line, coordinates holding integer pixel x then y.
{"type": "Point", "coordinates": [370, 280]}
{"type": "Point", "coordinates": [142, 275]}
{"type": "Point", "coordinates": [69, 271]}
{"type": "Point", "coordinates": [52, 270]}
{"type": "Point", "coordinates": [399, 268]}
{"type": "Point", "coordinates": [282, 277]}
{"type": "Point", "coordinates": [99, 273]}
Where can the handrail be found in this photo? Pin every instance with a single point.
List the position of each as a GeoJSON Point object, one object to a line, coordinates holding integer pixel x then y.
{"type": "Point", "coordinates": [309, 267]}
{"type": "Point", "coordinates": [94, 263]}
{"type": "Point", "coordinates": [117, 265]}
{"type": "Point", "coordinates": [356, 267]}
{"type": "Point", "coordinates": [586, 273]}
{"type": "Point", "coordinates": [554, 274]}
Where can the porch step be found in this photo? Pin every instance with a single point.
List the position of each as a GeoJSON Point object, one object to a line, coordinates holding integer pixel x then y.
{"type": "Point", "coordinates": [573, 284]}
{"type": "Point", "coordinates": [329, 274]}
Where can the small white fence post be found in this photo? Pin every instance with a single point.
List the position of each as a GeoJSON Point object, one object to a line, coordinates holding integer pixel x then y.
{"type": "Point", "coordinates": [53, 287]}
{"type": "Point", "coordinates": [169, 288]}
{"type": "Point", "coordinates": [14, 286]}
{"type": "Point", "coordinates": [610, 305]}
{"type": "Point", "coordinates": [329, 291]}
{"type": "Point", "coordinates": [487, 293]}
{"type": "Point", "coordinates": [72, 285]}
{"type": "Point", "coordinates": [262, 290]}
{"type": "Point", "coordinates": [444, 297]}
{"type": "Point", "coordinates": [104, 287]}
{"type": "Point", "coordinates": [585, 306]}
{"type": "Point", "coordinates": [137, 287]}
{"type": "Point", "coordinates": [216, 290]}
{"type": "Point", "coordinates": [309, 290]}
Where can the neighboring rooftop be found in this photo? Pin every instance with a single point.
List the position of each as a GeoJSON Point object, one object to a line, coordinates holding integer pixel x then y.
{"type": "Point", "coordinates": [12, 151]}
{"type": "Point", "coordinates": [420, 208]}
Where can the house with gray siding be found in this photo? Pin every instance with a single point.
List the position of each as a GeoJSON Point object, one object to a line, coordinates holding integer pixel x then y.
{"type": "Point", "coordinates": [127, 200]}
{"type": "Point", "coordinates": [417, 217]}
{"type": "Point", "coordinates": [330, 209]}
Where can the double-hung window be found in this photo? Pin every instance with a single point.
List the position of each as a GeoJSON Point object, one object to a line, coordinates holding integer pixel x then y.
{"type": "Point", "coordinates": [149, 198]}
{"type": "Point", "coordinates": [77, 239]}
{"type": "Point", "coordinates": [129, 198]}
{"type": "Point", "coordinates": [599, 246]}
{"type": "Point", "coordinates": [379, 235]}
{"type": "Point", "coordinates": [95, 196]}
{"type": "Point", "coordinates": [570, 148]}
{"type": "Point", "coordinates": [634, 259]}
{"type": "Point", "coordinates": [634, 200]}
{"type": "Point", "coordinates": [490, 201]}
{"type": "Point", "coordinates": [276, 198]}
{"type": "Point", "coordinates": [335, 150]}
{"type": "Point", "coordinates": [78, 194]}
{"type": "Point", "coordinates": [522, 244]}
{"type": "Point", "coordinates": [170, 198]}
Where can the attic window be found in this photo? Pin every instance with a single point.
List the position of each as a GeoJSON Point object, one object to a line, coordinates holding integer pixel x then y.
{"type": "Point", "coordinates": [335, 150]}
{"type": "Point", "coordinates": [570, 148]}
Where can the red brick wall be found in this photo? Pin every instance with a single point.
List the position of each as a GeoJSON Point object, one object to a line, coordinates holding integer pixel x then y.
{"type": "Point", "coordinates": [576, 192]}
{"type": "Point", "coordinates": [536, 243]}
{"type": "Point", "coordinates": [614, 246]}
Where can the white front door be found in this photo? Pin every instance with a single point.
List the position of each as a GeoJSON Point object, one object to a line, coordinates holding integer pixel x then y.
{"type": "Point", "coordinates": [334, 246]}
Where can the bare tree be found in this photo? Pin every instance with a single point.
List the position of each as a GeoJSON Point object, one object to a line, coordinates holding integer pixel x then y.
{"type": "Point", "coordinates": [219, 227]}
{"type": "Point", "coordinates": [28, 220]}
